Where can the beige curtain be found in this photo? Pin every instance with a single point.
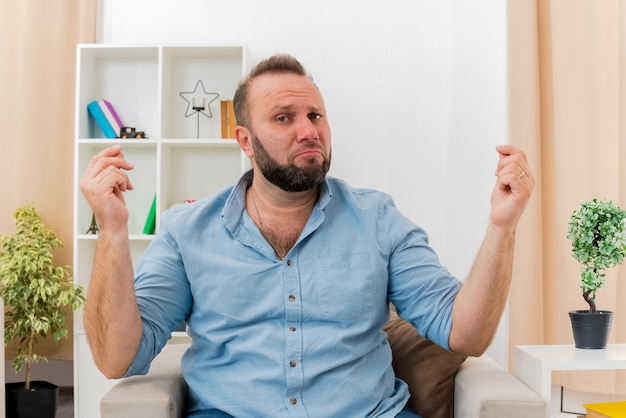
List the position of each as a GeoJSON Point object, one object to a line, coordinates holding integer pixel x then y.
{"type": "Point", "coordinates": [37, 82]}
{"type": "Point", "coordinates": [568, 111]}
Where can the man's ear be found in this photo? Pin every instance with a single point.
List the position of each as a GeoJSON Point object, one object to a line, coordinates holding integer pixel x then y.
{"type": "Point", "coordinates": [242, 135]}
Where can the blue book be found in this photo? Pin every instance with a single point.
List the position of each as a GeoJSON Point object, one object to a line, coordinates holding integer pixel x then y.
{"type": "Point", "coordinates": [101, 119]}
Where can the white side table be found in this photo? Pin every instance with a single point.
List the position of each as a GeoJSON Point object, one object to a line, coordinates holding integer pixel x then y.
{"type": "Point", "coordinates": [534, 364]}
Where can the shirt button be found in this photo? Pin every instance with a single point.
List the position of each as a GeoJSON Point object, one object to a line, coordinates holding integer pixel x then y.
{"type": "Point", "coordinates": [293, 401]}
{"type": "Point", "coordinates": [289, 263]}
{"type": "Point", "coordinates": [292, 329]}
{"type": "Point", "coordinates": [292, 363]}
{"type": "Point", "coordinates": [292, 298]}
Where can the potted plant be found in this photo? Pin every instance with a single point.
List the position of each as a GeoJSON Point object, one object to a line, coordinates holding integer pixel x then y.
{"type": "Point", "coordinates": [36, 294]}
{"type": "Point", "coordinates": [597, 230]}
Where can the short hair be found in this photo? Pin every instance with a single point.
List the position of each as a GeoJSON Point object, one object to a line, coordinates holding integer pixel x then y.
{"type": "Point", "coordinates": [276, 64]}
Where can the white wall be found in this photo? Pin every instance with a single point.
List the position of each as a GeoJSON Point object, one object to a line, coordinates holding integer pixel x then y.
{"type": "Point", "coordinates": [415, 90]}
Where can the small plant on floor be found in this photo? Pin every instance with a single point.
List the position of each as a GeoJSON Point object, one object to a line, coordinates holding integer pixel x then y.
{"type": "Point", "coordinates": [598, 233]}
{"type": "Point", "coordinates": [35, 291]}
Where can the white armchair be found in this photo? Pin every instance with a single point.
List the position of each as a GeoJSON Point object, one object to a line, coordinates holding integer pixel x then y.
{"type": "Point", "coordinates": [482, 389]}
{"type": "Point", "coordinates": [443, 384]}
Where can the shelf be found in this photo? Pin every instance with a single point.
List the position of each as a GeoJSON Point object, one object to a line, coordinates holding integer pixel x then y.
{"type": "Point", "coordinates": [106, 142]}
{"type": "Point", "coordinates": [173, 164]}
{"type": "Point", "coordinates": [94, 237]}
{"type": "Point", "coordinates": [218, 68]}
{"type": "Point", "coordinates": [126, 77]}
{"type": "Point", "coordinates": [230, 143]}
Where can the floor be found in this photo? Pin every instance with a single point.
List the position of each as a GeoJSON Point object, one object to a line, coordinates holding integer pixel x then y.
{"type": "Point", "coordinates": [65, 405]}
{"type": "Point", "coordinates": [567, 403]}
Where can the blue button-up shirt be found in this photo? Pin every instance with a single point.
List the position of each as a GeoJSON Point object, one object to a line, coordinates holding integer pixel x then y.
{"type": "Point", "coordinates": [299, 337]}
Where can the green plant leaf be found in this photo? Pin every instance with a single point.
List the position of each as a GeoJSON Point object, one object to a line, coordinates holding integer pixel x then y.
{"type": "Point", "coordinates": [35, 291]}
{"type": "Point", "coordinates": [597, 230]}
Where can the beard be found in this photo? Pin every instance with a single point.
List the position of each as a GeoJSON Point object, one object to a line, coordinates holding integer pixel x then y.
{"type": "Point", "coordinates": [289, 177]}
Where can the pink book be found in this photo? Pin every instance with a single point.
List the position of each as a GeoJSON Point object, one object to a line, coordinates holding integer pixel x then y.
{"type": "Point", "coordinates": [111, 115]}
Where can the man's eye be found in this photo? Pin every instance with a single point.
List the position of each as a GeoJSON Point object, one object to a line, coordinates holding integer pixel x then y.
{"type": "Point", "coordinates": [281, 119]}
{"type": "Point", "coordinates": [315, 116]}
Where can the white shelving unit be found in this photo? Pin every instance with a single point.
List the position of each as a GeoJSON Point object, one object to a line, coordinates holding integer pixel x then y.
{"type": "Point", "coordinates": [184, 157]}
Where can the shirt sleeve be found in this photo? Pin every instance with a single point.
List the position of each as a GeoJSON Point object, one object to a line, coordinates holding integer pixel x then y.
{"type": "Point", "coordinates": [163, 296]}
{"type": "Point", "coordinates": [422, 290]}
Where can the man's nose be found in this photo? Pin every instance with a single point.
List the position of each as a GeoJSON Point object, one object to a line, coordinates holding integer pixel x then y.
{"type": "Point", "coordinates": [307, 130]}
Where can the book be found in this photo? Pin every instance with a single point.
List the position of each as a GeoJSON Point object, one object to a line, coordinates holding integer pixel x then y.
{"type": "Point", "coordinates": [111, 115]}
{"type": "Point", "coordinates": [606, 410]}
{"type": "Point", "coordinates": [101, 120]}
{"type": "Point", "coordinates": [228, 118]}
{"type": "Point", "coordinates": [150, 225]}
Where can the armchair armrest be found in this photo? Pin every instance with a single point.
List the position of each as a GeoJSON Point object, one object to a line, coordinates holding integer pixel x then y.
{"type": "Point", "coordinates": [483, 389]}
{"type": "Point", "coordinates": [162, 393]}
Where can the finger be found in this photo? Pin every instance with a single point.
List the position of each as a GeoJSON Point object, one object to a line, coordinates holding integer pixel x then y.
{"type": "Point", "coordinates": [511, 159]}
{"type": "Point", "coordinates": [507, 149]}
{"type": "Point", "coordinates": [516, 181]}
{"type": "Point", "coordinates": [513, 170]}
{"type": "Point", "coordinates": [113, 151]}
{"type": "Point", "coordinates": [126, 184]}
{"type": "Point", "coordinates": [112, 178]}
{"type": "Point", "coordinates": [109, 156]}
{"type": "Point", "coordinates": [514, 174]}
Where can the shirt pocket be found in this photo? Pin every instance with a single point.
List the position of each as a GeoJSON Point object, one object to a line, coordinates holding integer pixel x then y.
{"type": "Point", "coordinates": [344, 286]}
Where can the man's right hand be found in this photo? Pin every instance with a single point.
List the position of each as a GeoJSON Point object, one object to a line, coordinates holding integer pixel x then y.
{"type": "Point", "coordinates": [112, 321]}
{"type": "Point", "coordinates": [103, 184]}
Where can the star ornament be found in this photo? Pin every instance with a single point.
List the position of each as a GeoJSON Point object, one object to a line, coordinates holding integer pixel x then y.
{"type": "Point", "coordinates": [199, 94]}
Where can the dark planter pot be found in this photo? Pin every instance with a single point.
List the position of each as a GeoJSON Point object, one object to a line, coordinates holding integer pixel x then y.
{"type": "Point", "coordinates": [591, 330]}
{"type": "Point", "coordinates": [39, 402]}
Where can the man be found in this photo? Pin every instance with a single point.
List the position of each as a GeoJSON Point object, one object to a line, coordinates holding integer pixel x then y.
{"type": "Point", "coordinates": [285, 279]}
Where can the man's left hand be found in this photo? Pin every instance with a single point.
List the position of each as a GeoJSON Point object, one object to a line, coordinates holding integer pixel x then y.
{"type": "Point", "coordinates": [513, 188]}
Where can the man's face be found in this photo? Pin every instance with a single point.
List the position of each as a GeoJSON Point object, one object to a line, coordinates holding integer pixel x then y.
{"type": "Point", "coordinates": [290, 137]}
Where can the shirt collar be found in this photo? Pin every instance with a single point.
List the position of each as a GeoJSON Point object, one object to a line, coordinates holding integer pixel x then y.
{"type": "Point", "coordinates": [235, 203]}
